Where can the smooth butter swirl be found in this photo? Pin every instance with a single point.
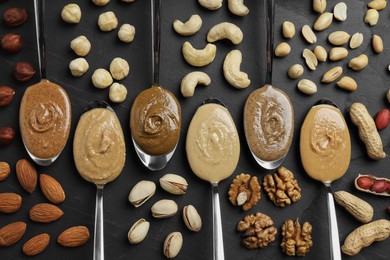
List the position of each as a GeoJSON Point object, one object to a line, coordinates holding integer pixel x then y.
{"type": "Point", "coordinates": [326, 137]}
{"type": "Point", "coordinates": [272, 121]}
{"type": "Point", "coordinates": [45, 116]}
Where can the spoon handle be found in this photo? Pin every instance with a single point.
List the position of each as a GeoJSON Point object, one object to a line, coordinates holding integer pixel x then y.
{"type": "Point", "coordinates": [218, 251]}
{"type": "Point", "coordinates": [39, 9]}
{"type": "Point", "coordinates": [98, 247]}
{"type": "Point", "coordinates": [156, 39]}
{"type": "Point", "coordinates": [333, 229]}
{"type": "Point", "coordinates": [270, 17]}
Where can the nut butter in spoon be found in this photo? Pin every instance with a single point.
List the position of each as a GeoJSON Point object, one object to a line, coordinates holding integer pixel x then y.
{"type": "Point", "coordinates": [213, 151]}
{"type": "Point", "coordinates": [45, 111]}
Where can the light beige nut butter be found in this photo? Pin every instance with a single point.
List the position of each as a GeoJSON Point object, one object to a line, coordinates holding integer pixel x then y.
{"type": "Point", "coordinates": [268, 123]}
{"type": "Point", "coordinates": [325, 144]}
{"type": "Point", "coordinates": [155, 121]}
{"type": "Point", "coordinates": [45, 118]}
{"type": "Point", "coordinates": [99, 149]}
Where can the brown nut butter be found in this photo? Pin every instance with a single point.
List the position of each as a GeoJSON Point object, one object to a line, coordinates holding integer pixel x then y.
{"type": "Point", "coordinates": [44, 119]}
{"type": "Point", "coordinates": [155, 121]}
{"type": "Point", "coordinates": [268, 123]}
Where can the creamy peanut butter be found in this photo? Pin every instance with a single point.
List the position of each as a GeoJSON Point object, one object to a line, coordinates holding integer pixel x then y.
{"type": "Point", "coordinates": [99, 148]}
{"type": "Point", "coordinates": [44, 119]}
{"type": "Point", "coordinates": [325, 144]}
{"type": "Point", "coordinates": [212, 145]}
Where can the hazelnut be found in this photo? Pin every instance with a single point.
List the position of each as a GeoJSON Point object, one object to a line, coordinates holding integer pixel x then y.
{"type": "Point", "coordinates": [15, 16]}
{"type": "Point", "coordinates": [100, 2]}
{"type": "Point", "coordinates": [11, 42]}
{"type": "Point", "coordinates": [119, 68]}
{"type": "Point", "coordinates": [117, 93]}
{"type": "Point", "coordinates": [78, 67]}
{"type": "Point", "coordinates": [71, 13]}
{"type": "Point", "coordinates": [107, 21]}
{"type": "Point", "coordinates": [81, 45]}
{"type": "Point", "coordinates": [23, 71]}
{"type": "Point", "coordinates": [7, 134]}
{"type": "Point", "coordinates": [126, 33]}
{"type": "Point", "coordinates": [101, 78]}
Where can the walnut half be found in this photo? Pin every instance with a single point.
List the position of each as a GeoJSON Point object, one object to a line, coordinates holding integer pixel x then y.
{"type": "Point", "coordinates": [282, 187]}
{"type": "Point", "coordinates": [296, 240]}
{"type": "Point", "coordinates": [259, 230]}
{"type": "Point", "coordinates": [245, 191]}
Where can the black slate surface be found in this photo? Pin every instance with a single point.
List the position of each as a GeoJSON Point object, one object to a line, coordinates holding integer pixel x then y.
{"type": "Point", "coordinates": [79, 206]}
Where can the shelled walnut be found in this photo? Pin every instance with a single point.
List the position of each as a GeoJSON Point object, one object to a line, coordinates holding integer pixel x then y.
{"type": "Point", "coordinates": [296, 240]}
{"type": "Point", "coordinates": [259, 230]}
{"type": "Point", "coordinates": [244, 191]}
{"type": "Point", "coordinates": [282, 187]}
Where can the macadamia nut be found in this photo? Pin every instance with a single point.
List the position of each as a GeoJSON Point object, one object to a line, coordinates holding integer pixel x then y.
{"type": "Point", "coordinates": [81, 45]}
{"type": "Point", "coordinates": [119, 68]}
{"type": "Point", "coordinates": [78, 67]}
{"type": "Point", "coordinates": [107, 21]}
{"type": "Point", "coordinates": [100, 2]}
{"type": "Point", "coordinates": [101, 78]}
{"type": "Point", "coordinates": [71, 13]}
{"type": "Point", "coordinates": [126, 33]}
{"type": "Point", "coordinates": [117, 93]}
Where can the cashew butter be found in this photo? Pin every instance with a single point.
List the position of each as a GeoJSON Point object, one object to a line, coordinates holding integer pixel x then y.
{"type": "Point", "coordinates": [212, 145]}
{"type": "Point", "coordinates": [325, 143]}
{"type": "Point", "coordinates": [99, 148]}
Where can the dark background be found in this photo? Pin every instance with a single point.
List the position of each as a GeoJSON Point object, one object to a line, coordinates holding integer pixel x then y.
{"type": "Point", "coordinates": [119, 214]}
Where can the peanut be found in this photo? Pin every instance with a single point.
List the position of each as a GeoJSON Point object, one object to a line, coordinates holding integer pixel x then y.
{"type": "Point", "coordinates": [367, 131]}
{"type": "Point", "coordinates": [382, 119]}
{"type": "Point", "coordinates": [365, 235]}
{"type": "Point", "coordinates": [358, 208]}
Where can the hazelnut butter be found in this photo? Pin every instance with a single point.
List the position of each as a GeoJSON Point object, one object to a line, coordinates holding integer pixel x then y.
{"type": "Point", "coordinates": [155, 121]}
{"type": "Point", "coordinates": [325, 143]}
{"type": "Point", "coordinates": [99, 149]}
{"type": "Point", "coordinates": [212, 145]}
{"type": "Point", "coordinates": [268, 123]}
{"type": "Point", "coordinates": [44, 118]}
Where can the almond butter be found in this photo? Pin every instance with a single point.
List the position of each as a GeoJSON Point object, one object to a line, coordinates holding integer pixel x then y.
{"type": "Point", "coordinates": [27, 175]}
{"type": "Point", "coordinates": [74, 236]}
{"type": "Point", "coordinates": [12, 233]}
{"type": "Point", "coordinates": [45, 213]}
{"type": "Point", "coordinates": [4, 170]}
{"type": "Point", "coordinates": [51, 189]}
{"type": "Point", "coordinates": [36, 245]}
{"type": "Point", "coordinates": [10, 202]}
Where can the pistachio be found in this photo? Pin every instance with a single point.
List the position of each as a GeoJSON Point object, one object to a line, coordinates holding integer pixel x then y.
{"type": "Point", "coordinates": [174, 184]}
{"type": "Point", "coordinates": [138, 231]}
{"type": "Point", "coordinates": [282, 50]}
{"type": "Point", "coordinates": [338, 38]}
{"type": "Point", "coordinates": [319, 6]}
{"type": "Point", "coordinates": [359, 62]}
{"type": "Point", "coordinates": [371, 17]}
{"type": "Point", "coordinates": [307, 86]}
{"type": "Point", "coordinates": [323, 22]}
{"type": "Point", "coordinates": [347, 83]}
{"type": "Point", "coordinates": [310, 58]}
{"type": "Point", "coordinates": [308, 34]}
{"type": "Point", "coordinates": [173, 244]}
{"type": "Point", "coordinates": [356, 40]}
{"type": "Point", "coordinates": [340, 11]}
{"type": "Point", "coordinates": [141, 192]}
{"type": "Point", "coordinates": [192, 218]}
{"type": "Point", "coordinates": [164, 208]}
{"type": "Point", "coordinates": [338, 53]}
{"type": "Point", "coordinates": [288, 29]}
{"type": "Point", "coordinates": [295, 71]}
{"type": "Point", "coordinates": [377, 43]}
{"type": "Point", "coordinates": [332, 74]}
{"type": "Point", "coordinates": [320, 53]}
{"type": "Point", "coordinates": [377, 4]}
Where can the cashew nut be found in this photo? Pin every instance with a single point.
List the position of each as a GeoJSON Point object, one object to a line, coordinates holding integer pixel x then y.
{"type": "Point", "coordinates": [191, 80]}
{"type": "Point", "coordinates": [231, 70]}
{"type": "Point", "coordinates": [225, 31]}
{"type": "Point", "coordinates": [190, 27]}
{"type": "Point", "coordinates": [211, 4]}
{"type": "Point", "coordinates": [199, 58]}
{"type": "Point", "coordinates": [237, 7]}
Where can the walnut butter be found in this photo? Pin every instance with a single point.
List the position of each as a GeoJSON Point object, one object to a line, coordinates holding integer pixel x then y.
{"type": "Point", "coordinates": [325, 143]}
{"type": "Point", "coordinates": [44, 118]}
{"type": "Point", "coordinates": [155, 121]}
{"type": "Point", "coordinates": [212, 144]}
{"type": "Point", "coordinates": [99, 149]}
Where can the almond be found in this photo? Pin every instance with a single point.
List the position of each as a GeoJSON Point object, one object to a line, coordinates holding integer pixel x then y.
{"type": "Point", "coordinates": [36, 245]}
{"type": "Point", "coordinates": [4, 170]}
{"type": "Point", "coordinates": [51, 189]}
{"type": "Point", "coordinates": [27, 175]}
{"type": "Point", "coordinates": [45, 213]}
{"type": "Point", "coordinates": [10, 202]}
{"type": "Point", "coordinates": [74, 236]}
{"type": "Point", "coordinates": [12, 233]}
